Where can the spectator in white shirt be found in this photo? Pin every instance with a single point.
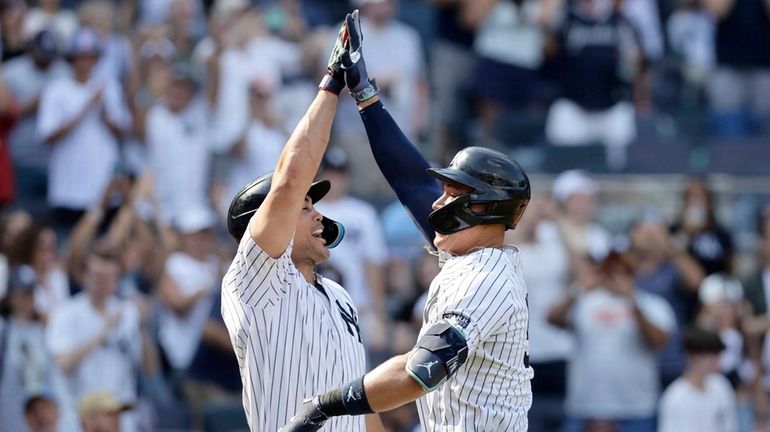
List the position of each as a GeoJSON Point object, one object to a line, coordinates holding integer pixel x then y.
{"type": "Point", "coordinates": [117, 56]}
{"type": "Point", "coordinates": [361, 259]}
{"type": "Point", "coordinates": [257, 151]}
{"type": "Point", "coordinates": [612, 375]}
{"type": "Point", "coordinates": [26, 76]}
{"type": "Point", "coordinates": [702, 399]}
{"type": "Point", "coordinates": [178, 140]}
{"type": "Point", "coordinates": [187, 287]}
{"type": "Point", "coordinates": [81, 118]}
{"type": "Point", "coordinates": [95, 338]}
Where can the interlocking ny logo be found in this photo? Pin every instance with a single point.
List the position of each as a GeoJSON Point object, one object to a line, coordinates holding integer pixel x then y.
{"type": "Point", "coordinates": [351, 319]}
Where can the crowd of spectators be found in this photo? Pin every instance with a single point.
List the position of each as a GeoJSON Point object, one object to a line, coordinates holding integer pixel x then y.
{"type": "Point", "coordinates": [126, 126]}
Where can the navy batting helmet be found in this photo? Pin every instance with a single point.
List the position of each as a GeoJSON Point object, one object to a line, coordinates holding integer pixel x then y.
{"type": "Point", "coordinates": [248, 200]}
{"type": "Point", "coordinates": [495, 180]}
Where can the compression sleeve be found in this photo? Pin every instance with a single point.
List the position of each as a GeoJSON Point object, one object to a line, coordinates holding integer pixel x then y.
{"type": "Point", "coordinates": [403, 166]}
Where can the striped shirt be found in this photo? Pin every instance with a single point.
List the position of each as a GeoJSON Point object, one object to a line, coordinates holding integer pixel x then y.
{"type": "Point", "coordinates": [484, 293]}
{"type": "Point", "coordinates": [292, 340]}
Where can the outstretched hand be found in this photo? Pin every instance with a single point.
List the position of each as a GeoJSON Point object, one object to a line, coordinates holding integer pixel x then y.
{"type": "Point", "coordinates": [334, 80]}
{"type": "Point", "coordinates": [356, 76]}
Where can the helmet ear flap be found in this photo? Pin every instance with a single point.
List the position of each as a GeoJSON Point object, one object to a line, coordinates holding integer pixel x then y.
{"type": "Point", "coordinates": [333, 232]}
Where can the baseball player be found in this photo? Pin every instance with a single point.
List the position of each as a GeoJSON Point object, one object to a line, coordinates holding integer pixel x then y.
{"type": "Point", "coordinates": [295, 334]}
{"type": "Point", "coordinates": [469, 369]}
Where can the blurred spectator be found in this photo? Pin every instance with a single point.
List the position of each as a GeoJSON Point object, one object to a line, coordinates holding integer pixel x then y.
{"type": "Point", "coordinates": [257, 152]}
{"type": "Point", "coordinates": [691, 36]}
{"type": "Point", "coordinates": [451, 64]}
{"type": "Point", "coordinates": [723, 311]}
{"type": "Point", "coordinates": [739, 89]}
{"type": "Point", "coordinates": [116, 58]}
{"type": "Point", "coordinates": [178, 138]}
{"type": "Point", "coordinates": [101, 412]}
{"type": "Point", "coordinates": [672, 274]}
{"type": "Point", "coordinates": [698, 231]}
{"type": "Point", "coordinates": [575, 193]}
{"type": "Point", "coordinates": [213, 377]}
{"type": "Point", "coordinates": [644, 16]}
{"type": "Point", "coordinates": [41, 414]}
{"type": "Point", "coordinates": [187, 288]}
{"type": "Point", "coordinates": [26, 76]}
{"type": "Point", "coordinates": [612, 375]}
{"type": "Point", "coordinates": [601, 57]}
{"type": "Point", "coordinates": [95, 337]}
{"type": "Point", "coordinates": [11, 224]}
{"type": "Point", "coordinates": [702, 399]}
{"type": "Point", "coordinates": [361, 258]}
{"type": "Point", "coordinates": [404, 240]}
{"type": "Point", "coordinates": [539, 241]}
{"type": "Point", "coordinates": [37, 248]}
{"type": "Point", "coordinates": [8, 115]}
{"type": "Point", "coordinates": [395, 60]}
{"type": "Point", "coordinates": [509, 45]}
{"type": "Point", "coordinates": [49, 15]}
{"type": "Point", "coordinates": [81, 117]}
{"type": "Point", "coordinates": [27, 366]}
{"type": "Point", "coordinates": [12, 16]}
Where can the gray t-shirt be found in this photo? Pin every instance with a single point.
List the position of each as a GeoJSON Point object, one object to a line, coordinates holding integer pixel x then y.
{"type": "Point", "coordinates": [26, 82]}
{"type": "Point", "coordinates": [613, 373]}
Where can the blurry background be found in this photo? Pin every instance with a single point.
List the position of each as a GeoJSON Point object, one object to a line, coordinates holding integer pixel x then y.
{"type": "Point", "coordinates": [126, 126]}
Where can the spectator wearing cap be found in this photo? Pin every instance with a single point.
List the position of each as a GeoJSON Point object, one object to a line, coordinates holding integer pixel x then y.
{"type": "Point", "coordinates": [612, 375]}
{"type": "Point", "coordinates": [95, 338]}
{"type": "Point", "coordinates": [179, 140]}
{"type": "Point", "coordinates": [49, 15]}
{"type": "Point", "coordinates": [187, 287]}
{"type": "Point", "coordinates": [575, 193]}
{"type": "Point", "coordinates": [701, 399]}
{"type": "Point", "coordinates": [258, 150]}
{"type": "Point", "coordinates": [81, 117]}
{"type": "Point", "coordinates": [26, 367]}
{"type": "Point", "coordinates": [662, 269]}
{"type": "Point", "coordinates": [101, 412]}
{"type": "Point", "coordinates": [26, 76]}
{"type": "Point", "coordinates": [41, 413]}
{"type": "Point", "coordinates": [361, 261]}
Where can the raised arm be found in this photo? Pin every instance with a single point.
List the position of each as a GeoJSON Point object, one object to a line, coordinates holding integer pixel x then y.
{"type": "Point", "coordinates": [272, 226]}
{"type": "Point", "coordinates": [400, 162]}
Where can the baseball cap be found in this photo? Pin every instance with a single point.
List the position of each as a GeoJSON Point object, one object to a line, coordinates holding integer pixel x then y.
{"type": "Point", "coordinates": [45, 43]}
{"type": "Point", "coordinates": [85, 42]}
{"type": "Point", "coordinates": [335, 159]}
{"type": "Point", "coordinates": [359, 3]}
{"type": "Point", "coordinates": [21, 279]}
{"type": "Point", "coordinates": [100, 402]}
{"type": "Point", "coordinates": [223, 8]}
{"type": "Point", "coordinates": [720, 286]}
{"type": "Point", "coordinates": [195, 219]}
{"type": "Point", "coordinates": [162, 48]}
{"type": "Point", "coordinates": [572, 182]}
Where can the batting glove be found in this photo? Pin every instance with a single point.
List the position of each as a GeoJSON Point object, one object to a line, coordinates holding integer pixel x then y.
{"type": "Point", "coordinates": [334, 80]}
{"type": "Point", "coordinates": [356, 77]}
{"type": "Point", "coordinates": [309, 419]}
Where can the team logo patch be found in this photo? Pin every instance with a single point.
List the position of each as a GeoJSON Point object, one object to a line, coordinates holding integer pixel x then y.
{"type": "Point", "coordinates": [457, 318]}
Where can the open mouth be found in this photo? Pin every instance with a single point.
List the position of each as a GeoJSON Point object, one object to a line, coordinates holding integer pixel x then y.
{"type": "Point", "coordinates": [318, 234]}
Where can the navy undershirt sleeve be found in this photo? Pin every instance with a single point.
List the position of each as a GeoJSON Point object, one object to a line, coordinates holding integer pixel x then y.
{"type": "Point", "coordinates": [403, 166]}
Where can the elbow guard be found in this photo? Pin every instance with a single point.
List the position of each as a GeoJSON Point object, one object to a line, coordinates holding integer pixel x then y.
{"type": "Point", "coordinates": [437, 355]}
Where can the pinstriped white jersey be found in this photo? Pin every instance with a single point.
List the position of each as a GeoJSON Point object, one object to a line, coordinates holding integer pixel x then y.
{"type": "Point", "coordinates": [291, 340]}
{"type": "Point", "coordinates": [484, 293]}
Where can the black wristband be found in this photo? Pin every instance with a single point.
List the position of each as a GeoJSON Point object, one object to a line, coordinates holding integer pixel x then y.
{"type": "Point", "coordinates": [348, 400]}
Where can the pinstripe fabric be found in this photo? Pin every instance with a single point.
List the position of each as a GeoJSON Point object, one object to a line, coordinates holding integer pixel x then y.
{"type": "Point", "coordinates": [292, 342]}
{"type": "Point", "coordinates": [484, 292]}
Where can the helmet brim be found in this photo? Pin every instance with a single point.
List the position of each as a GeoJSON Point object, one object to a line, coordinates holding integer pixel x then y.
{"type": "Point", "coordinates": [457, 176]}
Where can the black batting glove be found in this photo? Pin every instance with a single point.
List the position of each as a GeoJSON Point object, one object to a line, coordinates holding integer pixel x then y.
{"type": "Point", "coordinates": [334, 80]}
{"type": "Point", "coordinates": [356, 77]}
{"type": "Point", "coordinates": [309, 419]}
